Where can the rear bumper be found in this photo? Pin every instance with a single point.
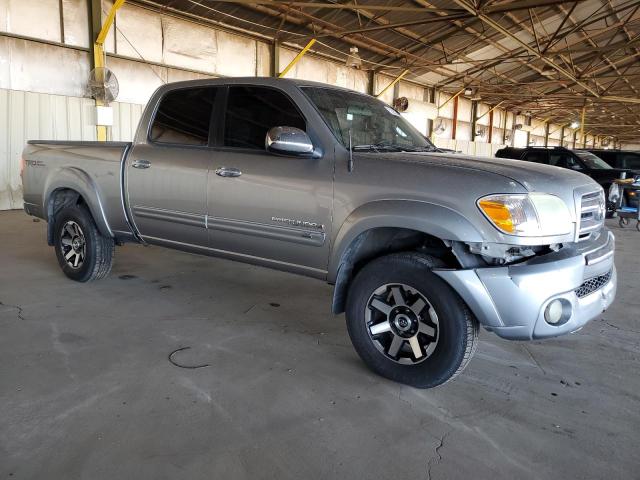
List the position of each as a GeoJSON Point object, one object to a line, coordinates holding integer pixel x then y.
{"type": "Point", "coordinates": [33, 209]}
{"type": "Point", "coordinates": [511, 301]}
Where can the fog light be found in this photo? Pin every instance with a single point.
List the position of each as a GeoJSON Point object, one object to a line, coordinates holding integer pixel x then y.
{"type": "Point", "coordinates": [553, 312]}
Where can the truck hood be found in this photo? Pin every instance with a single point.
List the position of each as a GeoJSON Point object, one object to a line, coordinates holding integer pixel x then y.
{"type": "Point", "coordinates": [534, 177]}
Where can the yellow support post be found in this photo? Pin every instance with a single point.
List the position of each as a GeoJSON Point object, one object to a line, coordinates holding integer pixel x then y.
{"type": "Point", "coordinates": [297, 58]}
{"type": "Point", "coordinates": [393, 82]}
{"type": "Point", "coordinates": [490, 110]}
{"type": "Point", "coordinates": [452, 98]}
{"type": "Point", "coordinates": [99, 57]}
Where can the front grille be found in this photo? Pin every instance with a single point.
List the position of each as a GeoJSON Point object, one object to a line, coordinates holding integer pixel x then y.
{"type": "Point", "coordinates": [592, 212]}
{"type": "Point", "coordinates": [593, 284]}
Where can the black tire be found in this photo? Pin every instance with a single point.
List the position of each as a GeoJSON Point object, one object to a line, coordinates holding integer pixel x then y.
{"type": "Point", "coordinates": [457, 327]}
{"type": "Point", "coordinates": [97, 252]}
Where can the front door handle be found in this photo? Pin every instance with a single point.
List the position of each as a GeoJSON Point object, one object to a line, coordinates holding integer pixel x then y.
{"type": "Point", "coordinates": [228, 172]}
{"type": "Point", "coordinates": [141, 164]}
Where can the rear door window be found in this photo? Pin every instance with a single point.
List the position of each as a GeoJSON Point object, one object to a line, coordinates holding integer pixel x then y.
{"type": "Point", "coordinates": [184, 117]}
{"type": "Point", "coordinates": [564, 160]}
{"type": "Point", "coordinates": [252, 111]}
{"type": "Point", "coordinates": [537, 156]}
{"type": "Point", "coordinates": [631, 160]}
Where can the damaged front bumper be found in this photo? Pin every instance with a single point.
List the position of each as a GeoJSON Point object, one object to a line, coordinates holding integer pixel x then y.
{"type": "Point", "coordinates": [511, 300]}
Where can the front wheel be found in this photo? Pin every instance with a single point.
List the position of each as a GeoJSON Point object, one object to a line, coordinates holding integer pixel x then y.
{"type": "Point", "coordinates": [84, 254]}
{"type": "Point", "coordinates": [407, 324]}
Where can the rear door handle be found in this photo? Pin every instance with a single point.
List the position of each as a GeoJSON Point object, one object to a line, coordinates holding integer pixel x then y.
{"type": "Point", "coordinates": [141, 164]}
{"type": "Point", "coordinates": [228, 172]}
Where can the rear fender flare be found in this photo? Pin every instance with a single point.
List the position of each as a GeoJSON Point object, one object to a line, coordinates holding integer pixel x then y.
{"type": "Point", "coordinates": [71, 178]}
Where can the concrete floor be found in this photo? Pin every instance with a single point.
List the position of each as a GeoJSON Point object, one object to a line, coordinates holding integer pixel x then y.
{"type": "Point", "coordinates": [87, 390]}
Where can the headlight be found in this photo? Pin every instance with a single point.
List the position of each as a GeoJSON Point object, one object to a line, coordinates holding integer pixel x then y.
{"type": "Point", "coordinates": [527, 215]}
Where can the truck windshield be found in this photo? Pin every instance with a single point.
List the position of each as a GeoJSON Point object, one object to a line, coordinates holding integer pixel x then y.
{"type": "Point", "coordinates": [373, 125]}
{"type": "Point", "coordinates": [593, 162]}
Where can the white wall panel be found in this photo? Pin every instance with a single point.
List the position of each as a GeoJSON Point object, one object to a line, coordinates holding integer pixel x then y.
{"type": "Point", "coordinates": [37, 116]}
{"type": "Point", "coordinates": [137, 80]}
{"type": "Point", "coordinates": [37, 67]}
{"type": "Point", "coordinates": [445, 111]}
{"type": "Point", "coordinates": [139, 34]}
{"type": "Point", "coordinates": [31, 18]}
{"type": "Point", "coordinates": [463, 131]}
{"type": "Point", "coordinates": [381, 82]}
{"type": "Point", "coordinates": [126, 117]}
{"type": "Point", "coordinates": [188, 45]}
{"type": "Point", "coordinates": [496, 137]}
{"type": "Point", "coordinates": [410, 90]}
{"type": "Point", "coordinates": [176, 75]}
{"type": "Point", "coordinates": [464, 109]}
{"type": "Point", "coordinates": [483, 108]}
{"type": "Point", "coordinates": [76, 22]}
{"type": "Point", "coordinates": [308, 68]}
{"type": "Point", "coordinates": [263, 68]}
{"type": "Point", "coordinates": [228, 62]}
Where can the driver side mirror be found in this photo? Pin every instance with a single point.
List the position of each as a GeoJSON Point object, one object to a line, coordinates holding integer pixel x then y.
{"type": "Point", "coordinates": [288, 141]}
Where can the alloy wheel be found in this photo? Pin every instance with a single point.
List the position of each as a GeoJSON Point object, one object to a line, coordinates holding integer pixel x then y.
{"type": "Point", "coordinates": [402, 324]}
{"type": "Point", "coordinates": [73, 244]}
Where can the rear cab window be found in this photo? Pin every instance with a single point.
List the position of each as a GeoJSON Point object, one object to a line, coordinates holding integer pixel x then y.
{"type": "Point", "coordinates": [184, 117]}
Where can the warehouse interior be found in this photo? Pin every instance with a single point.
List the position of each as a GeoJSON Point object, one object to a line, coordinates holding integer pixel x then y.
{"type": "Point", "coordinates": [272, 387]}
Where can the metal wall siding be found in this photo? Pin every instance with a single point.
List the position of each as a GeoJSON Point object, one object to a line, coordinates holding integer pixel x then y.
{"type": "Point", "coordinates": [29, 116]}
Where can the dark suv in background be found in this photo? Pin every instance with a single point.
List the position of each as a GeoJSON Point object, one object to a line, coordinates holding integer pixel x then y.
{"type": "Point", "coordinates": [579, 160]}
{"type": "Point", "coordinates": [619, 158]}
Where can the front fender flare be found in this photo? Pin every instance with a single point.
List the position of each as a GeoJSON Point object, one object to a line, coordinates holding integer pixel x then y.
{"type": "Point", "coordinates": [430, 218]}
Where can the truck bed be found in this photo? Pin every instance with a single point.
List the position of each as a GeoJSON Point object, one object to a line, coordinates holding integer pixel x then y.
{"type": "Point", "coordinates": [94, 169]}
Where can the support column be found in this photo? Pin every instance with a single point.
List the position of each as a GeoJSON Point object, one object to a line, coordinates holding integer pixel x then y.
{"type": "Point", "coordinates": [490, 134]}
{"type": "Point", "coordinates": [546, 134]}
{"type": "Point", "coordinates": [562, 136]}
{"type": "Point", "coordinates": [101, 31]}
{"type": "Point", "coordinates": [582, 135]}
{"type": "Point", "coordinates": [504, 127]}
{"type": "Point", "coordinates": [371, 87]}
{"type": "Point", "coordinates": [95, 25]}
{"type": "Point", "coordinates": [454, 125]}
{"type": "Point", "coordinates": [474, 119]}
{"type": "Point", "coordinates": [429, 97]}
{"type": "Point", "coordinates": [275, 58]}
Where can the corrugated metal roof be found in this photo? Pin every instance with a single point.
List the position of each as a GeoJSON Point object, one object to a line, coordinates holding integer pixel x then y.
{"type": "Point", "coordinates": [547, 57]}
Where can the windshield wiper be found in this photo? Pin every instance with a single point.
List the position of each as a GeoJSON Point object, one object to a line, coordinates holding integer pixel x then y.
{"type": "Point", "coordinates": [376, 147]}
{"type": "Point", "coordinates": [426, 148]}
{"type": "Point", "coordinates": [390, 147]}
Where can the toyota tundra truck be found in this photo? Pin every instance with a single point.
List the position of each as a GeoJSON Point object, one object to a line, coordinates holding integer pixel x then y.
{"type": "Point", "coordinates": [421, 246]}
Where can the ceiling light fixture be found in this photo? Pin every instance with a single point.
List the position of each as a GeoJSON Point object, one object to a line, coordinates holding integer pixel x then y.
{"type": "Point", "coordinates": [353, 59]}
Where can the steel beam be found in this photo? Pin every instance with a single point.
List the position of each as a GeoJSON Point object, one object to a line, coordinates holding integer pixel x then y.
{"type": "Point", "coordinates": [98, 48]}
{"type": "Point", "coordinates": [393, 82]}
{"type": "Point", "coordinates": [297, 58]}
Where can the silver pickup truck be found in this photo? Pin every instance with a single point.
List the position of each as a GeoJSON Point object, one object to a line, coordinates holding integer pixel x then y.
{"type": "Point", "coordinates": [421, 246]}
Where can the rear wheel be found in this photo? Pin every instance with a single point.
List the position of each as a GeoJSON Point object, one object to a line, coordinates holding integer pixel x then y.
{"type": "Point", "coordinates": [407, 324]}
{"type": "Point", "coordinates": [84, 254]}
